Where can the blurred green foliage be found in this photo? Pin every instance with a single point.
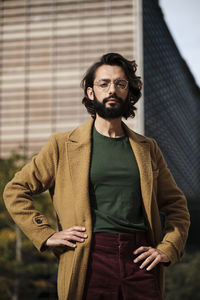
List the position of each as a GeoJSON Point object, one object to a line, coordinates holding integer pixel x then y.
{"type": "Point", "coordinates": [24, 273]}
{"type": "Point", "coordinates": [183, 278]}
{"type": "Point", "coordinates": [33, 275]}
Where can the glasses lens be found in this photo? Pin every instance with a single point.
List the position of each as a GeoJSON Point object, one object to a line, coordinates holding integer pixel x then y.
{"type": "Point", "coordinates": [103, 84]}
{"type": "Point", "coordinates": [121, 84]}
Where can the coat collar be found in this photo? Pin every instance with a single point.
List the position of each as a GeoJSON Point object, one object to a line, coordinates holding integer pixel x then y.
{"type": "Point", "coordinates": [82, 134]}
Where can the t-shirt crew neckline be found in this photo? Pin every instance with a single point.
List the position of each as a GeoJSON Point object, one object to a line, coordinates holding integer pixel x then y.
{"type": "Point", "coordinates": [108, 138]}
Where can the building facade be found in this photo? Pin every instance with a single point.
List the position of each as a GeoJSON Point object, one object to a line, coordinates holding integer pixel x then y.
{"type": "Point", "coordinates": [46, 46]}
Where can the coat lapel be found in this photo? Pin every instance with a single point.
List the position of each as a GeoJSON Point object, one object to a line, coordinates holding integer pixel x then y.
{"type": "Point", "coordinates": [141, 149]}
{"type": "Point", "coordinates": [78, 155]}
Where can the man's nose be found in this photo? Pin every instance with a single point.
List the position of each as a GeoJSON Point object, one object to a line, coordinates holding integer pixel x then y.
{"type": "Point", "coordinates": [112, 88]}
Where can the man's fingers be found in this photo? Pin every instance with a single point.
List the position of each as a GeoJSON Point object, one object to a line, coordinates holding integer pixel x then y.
{"type": "Point", "coordinates": [153, 264]}
{"type": "Point", "coordinates": [75, 228]}
{"type": "Point", "coordinates": [64, 237]}
{"type": "Point", "coordinates": [145, 253]}
{"type": "Point", "coordinates": [152, 259]}
{"type": "Point", "coordinates": [74, 231]}
{"type": "Point", "coordinates": [69, 244]}
{"type": "Point", "coordinates": [64, 243]}
{"type": "Point", "coordinates": [141, 249]}
{"type": "Point", "coordinates": [73, 235]}
{"type": "Point", "coordinates": [75, 238]}
{"type": "Point", "coordinates": [150, 256]}
{"type": "Point", "coordinates": [70, 234]}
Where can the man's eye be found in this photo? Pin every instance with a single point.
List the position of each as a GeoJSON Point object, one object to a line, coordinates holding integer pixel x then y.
{"type": "Point", "coordinates": [103, 85]}
{"type": "Point", "coordinates": [121, 84]}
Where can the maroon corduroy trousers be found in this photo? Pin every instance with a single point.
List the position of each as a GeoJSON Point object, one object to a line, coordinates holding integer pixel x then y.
{"type": "Point", "coordinates": [112, 274]}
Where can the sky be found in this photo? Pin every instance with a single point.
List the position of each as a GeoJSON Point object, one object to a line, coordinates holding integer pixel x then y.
{"type": "Point", "coordinates": [183, 20]}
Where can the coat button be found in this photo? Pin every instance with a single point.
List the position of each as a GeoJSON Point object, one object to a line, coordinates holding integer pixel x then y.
{"type": "Point", "coordinates": [38, 221]}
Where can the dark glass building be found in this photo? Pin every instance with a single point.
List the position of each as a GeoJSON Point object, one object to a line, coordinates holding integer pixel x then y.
{"type": "Point", "coordinates": [172, 106]}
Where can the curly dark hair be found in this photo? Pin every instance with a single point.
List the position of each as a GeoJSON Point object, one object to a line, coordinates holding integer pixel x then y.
{"type": "Point", "coordinates": [129, 67]}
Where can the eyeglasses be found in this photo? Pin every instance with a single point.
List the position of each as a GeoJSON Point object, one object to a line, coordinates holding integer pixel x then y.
{"type": "Point", "coordinates": [104, 84]}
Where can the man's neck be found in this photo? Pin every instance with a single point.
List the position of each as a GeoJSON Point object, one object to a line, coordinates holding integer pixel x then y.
{"type": "Point", "coordinates": [109, 127]}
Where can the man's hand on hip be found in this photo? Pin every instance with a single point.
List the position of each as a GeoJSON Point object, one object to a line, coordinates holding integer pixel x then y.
{"type": "Point", "coordinates": [150, 257]}
{"type": "Point", "coordinates": [67, 237]}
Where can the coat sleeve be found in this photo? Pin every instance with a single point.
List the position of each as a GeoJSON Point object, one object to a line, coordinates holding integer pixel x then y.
{"type": "Point", "coordinates": [34, 178]}
{"type": "Point", "coordinates": [171, 202]}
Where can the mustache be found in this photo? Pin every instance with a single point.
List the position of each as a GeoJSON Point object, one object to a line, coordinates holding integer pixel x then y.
{"type": "Point", "coordinates": [112, 96]}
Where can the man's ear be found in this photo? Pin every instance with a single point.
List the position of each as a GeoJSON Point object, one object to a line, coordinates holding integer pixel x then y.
{"type": "Point", "coordinates": [90, 93]}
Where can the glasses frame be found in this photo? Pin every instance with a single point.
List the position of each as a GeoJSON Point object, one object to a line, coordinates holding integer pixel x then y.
{"type": "Point", "coordinates": [106, 89]}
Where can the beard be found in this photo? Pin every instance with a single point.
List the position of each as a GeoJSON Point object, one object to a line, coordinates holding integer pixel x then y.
{"type": "Point", "coordinates": [110, 112]}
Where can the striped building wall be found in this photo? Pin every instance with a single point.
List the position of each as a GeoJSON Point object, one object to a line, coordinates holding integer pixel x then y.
{"type": "Point", "coordinates": [45, 48]}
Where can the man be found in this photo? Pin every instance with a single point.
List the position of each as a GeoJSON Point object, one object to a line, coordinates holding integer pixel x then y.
{"type": "Point", "coordinates": [108, 186]}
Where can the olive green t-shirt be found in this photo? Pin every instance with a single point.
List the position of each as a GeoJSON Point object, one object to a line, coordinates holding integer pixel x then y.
{"type": "Point", "coordinates": [115, 193]}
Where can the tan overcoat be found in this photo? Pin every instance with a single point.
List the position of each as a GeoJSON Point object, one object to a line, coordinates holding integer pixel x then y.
{"type": "Point", "coordinates": [62, 166]}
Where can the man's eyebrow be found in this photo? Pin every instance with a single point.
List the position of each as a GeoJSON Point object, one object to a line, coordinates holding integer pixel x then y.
{"type": "Point", "coordinates": [107, 79]}
{"type": "Point", "coordinates": [104, 79]}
